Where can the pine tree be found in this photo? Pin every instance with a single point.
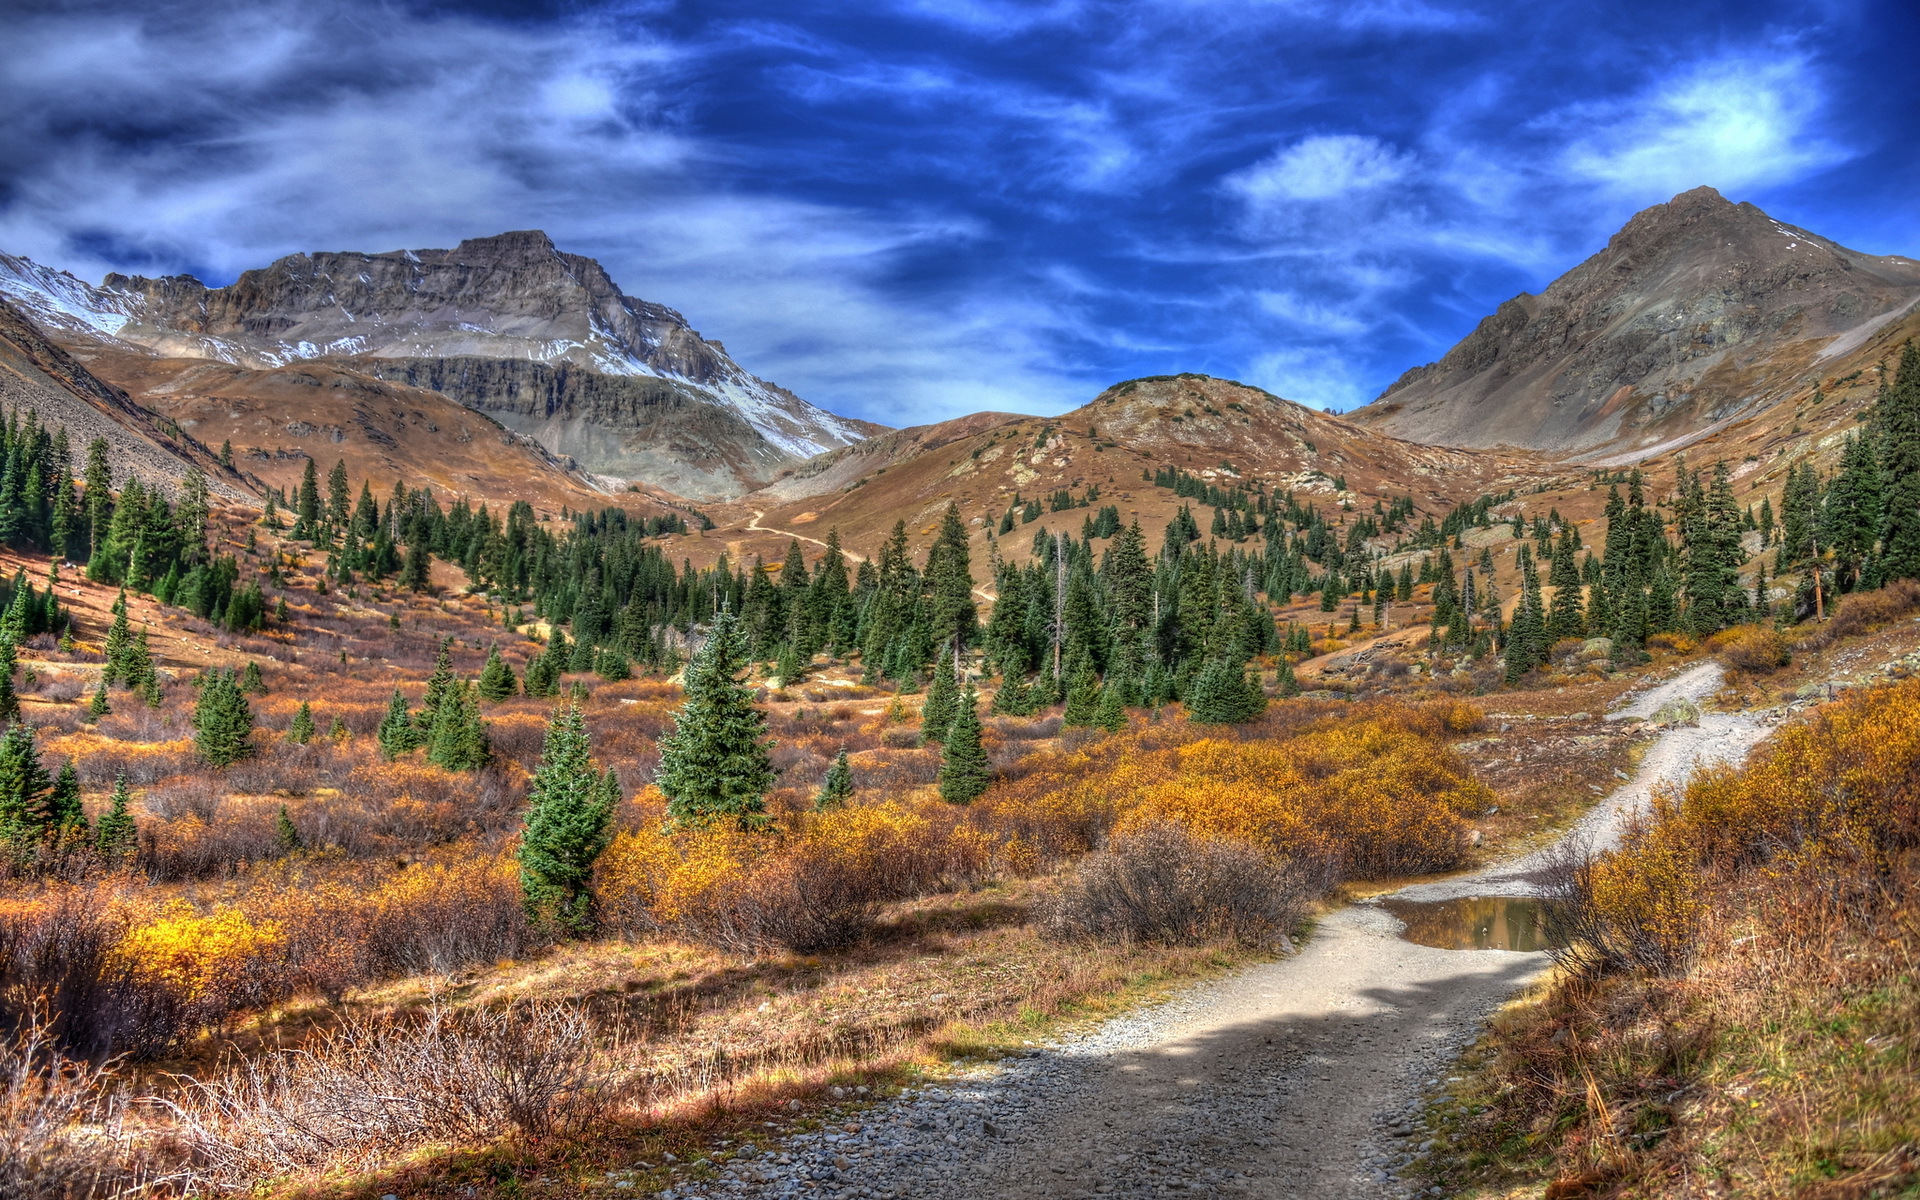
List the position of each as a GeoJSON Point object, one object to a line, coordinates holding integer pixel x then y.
{"type": "Point", "coordinates": [788, 667]}
{"type": "Point", "coordinates": [965, 771]}
{"type": "Point", "coordinates": [497, 682]}
{"type": "Point", "coordinates": [1110, 714]}
{"type": "Point", "coordinates": [1564, 616]}
{"type": "Point", "coordinates": [9, 699]}
{"type": "Point", "coordinates": [116, 837]}
{"type": "Point", "coordinates": [119, 638]}
{"type": "Point", "coordinates": [1898, 416]}
{"type": "Point", "coordinates": [416, 572]}
{"type": "Point", "coordinates": [440, 684]}
{"type": "Point", "coordinates": [222, 720]}
{"type": "Point", "coordinates": [1222, 694]}
{"type": "Point", "coordinates": [286, 833]}
{"type": "Point", "coordinates": [714, 764]}
{"type": "Point", "coordinates": [1083, 695]}
{"type": "Point", "coordinates": [65, 815]}
{"type": "Point", "coordinates": [250, 681]}
{"type": "Point", "coordinates": [952, 615]}
{"type": "Point", "coordinates": [99, 706]}
{"type": "Point", "coordinates": [300, 729]}
{"type": "Point", "coordinates": [398, 734]}
{"type": "Point", "coordinates": [611, 664]}
{"type": "Point", "coordinates": [836, 788]}
{"type": "Point", "coordinates": [24, 785]}
{"type": "Point", "coordinates": [458, 740]}
{"type": "Point", "coordinates": [570, 808]}
{"type": "Point", "coordinates": [943, 701]}
{"type": "Point", "coordinates": [307, 505]}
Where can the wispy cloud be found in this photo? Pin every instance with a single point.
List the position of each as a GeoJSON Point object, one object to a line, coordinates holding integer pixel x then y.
{"type": "Point", "coordinates": [1739, 123]}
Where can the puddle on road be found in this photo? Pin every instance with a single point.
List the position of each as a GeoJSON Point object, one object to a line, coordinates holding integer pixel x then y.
{"type": "Point", "coordinates": [1473, 923]}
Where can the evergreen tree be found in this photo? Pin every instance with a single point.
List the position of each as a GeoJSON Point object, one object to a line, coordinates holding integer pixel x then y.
{"type": "Point", "coordinates": [570, 808]}
{"type": "Point", "coordinates": [222, 720]}
{"type": "Point", "coordinates": [24, 785]}
{"type": "Point", "coordinates": [116, 837]}
{"type": "Point", "coordinates": [1851, 512]}
{"type": "Point", "coordinates": [943, 701]}
{"type": "Point", "coordinates": [9, 699]}
{"type": "Point", "coordinates": [788, 667]}
{"type": "Point", "coordinates": [398, 734]}
{"type": "Point", "coordinates": [1898, 417]}
{"type": "Point", "coordinates": [440, 684]}
{"type": "Point", "coordinates": [250, 680]}
{"type": "Point", "coordinates": [300, 729]}
{"type": "Point", "coordinates": [1222, 694]}
{"type": "Point", "coordinates": [65, 815]}
{"type": "Point", "coordinates": [1083, 694]}
{"type": "Point", "coordinates": [497, 682]}
{"type": "Point", "coordinates": [1565, 618]}
{"type": "Point", "coordinates": [714, 764]}
{"type": "Point", "coordinates": [99, 706]}
{"type": "Point", "coordinates": [951, 613]}
{"type": "Point", "coordinates": [307, 506]}
{"type": "Point", "coordinates": [836, 788]}
{"type": "Point", "coordinates": [1110, 714]}
{"type": "Point", "coordinates": [119, 638]}
{"type": "Point", "coordinates": [611, 664]}
{"type": "Point", "coordinates": [285, 833]}
{"type": "Point", "coordinates": [416, 572]}
{"type": "Point", "coordinates": [965, 771]}
{"type": "Point", "coordinates": [458, 740]}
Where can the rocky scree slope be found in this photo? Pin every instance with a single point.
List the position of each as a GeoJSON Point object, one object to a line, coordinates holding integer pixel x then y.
{"type": "Point", "coordinates": [541, 340]}
{"type": "Point", "coordinates": [1699, 310]}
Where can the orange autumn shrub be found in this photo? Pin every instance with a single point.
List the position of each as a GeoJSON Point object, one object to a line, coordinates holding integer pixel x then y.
{"type": "Point", "coordinates": [1833, 802]}
{"type": "Point", "coordinates": [1755, 648]}
{"type": "Point", "coordinates": [812, 886]}
{"type": "Point", "coordinates": [1371, 791]}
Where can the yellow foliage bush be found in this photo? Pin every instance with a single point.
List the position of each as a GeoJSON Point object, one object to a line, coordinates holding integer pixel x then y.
{"type": "Point", "coordinates": [1756, 648]}
{"type": "Point", "coordinates": [197, 955]}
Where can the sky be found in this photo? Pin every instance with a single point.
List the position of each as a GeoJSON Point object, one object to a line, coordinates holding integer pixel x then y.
{"type": "Point", "coordinates": [907, 210]}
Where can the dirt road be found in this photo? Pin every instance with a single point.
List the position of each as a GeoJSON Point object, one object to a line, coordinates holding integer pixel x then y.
{"type": "Point", "coordinates": [1290, 1079]}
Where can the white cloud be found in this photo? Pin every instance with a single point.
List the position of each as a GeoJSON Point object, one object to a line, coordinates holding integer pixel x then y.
{"type": "Point", "coordinates": [355, 129]}
{"type": "Point", "coordinates": [1323, 167]}
{"type": "Point", "coordinates": [1311, 315]}
{"type": "Point", "coordinates": [1737, 123]}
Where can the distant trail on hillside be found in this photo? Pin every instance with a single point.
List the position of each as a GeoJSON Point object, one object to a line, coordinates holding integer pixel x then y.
{"type": "Point", "coordinates": [755, 526]}
{"type": "Point", "coordinates": [1290, 1079]}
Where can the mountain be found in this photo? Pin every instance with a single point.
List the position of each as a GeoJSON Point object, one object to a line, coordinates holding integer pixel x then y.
{"type": "Point", "coordinates": [37, 375]}
{"type": "Point", "coordinates": [542, 341]}
{"type": "Point", "coordinates": [1699, 311]}
{"type": "Point", "coordinates": [1222, 432]}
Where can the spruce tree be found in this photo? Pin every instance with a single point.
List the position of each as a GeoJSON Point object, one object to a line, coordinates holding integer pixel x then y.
{"type": "Point", "coordinates": [1565, 618]}
{"type": "Point", "coordinates": [250, 680]}
{"type": "Point", "coordinates": [965, 770]}
{"type": "Point", "coordinates": [416, 571]}
{"type": "Point", "coordinates": [119, 638]}
{"type": "Point", "coordinates": [836, 787]}
{"type": "Point", "coordinates": [300, 729]}
{"type": "Point", "coordinates": [951, 613]}
{"type": "Point", "coordinates": [1222, 694]}
{"type": "Point", "coordinates": [9, 699]}
{"type": "Point", "coordinates": [1083, 695]}
{"type": "Point", "coordinates": [943, 701]}
{"type": "Point", "coordinates": [497, 681]}
{"type": "Point", "coordinates": [458, 740]}
{"type": "Point", "coordinates": [398, 734]}
{"type": "Point", "coordinates": [1110, 714]}
{"type": "Point", "coordinates": [1898, 417]}
{"type": "Point", "coordinates": [611, 664]}
{"type": "Point", "coordinates": [100, 705]}
{"type": "Point", "coordinates": [24, 785]}
{"type": "Point", "coordinates": [65, 815]}
{"type": "Point", "coordinates": [285, 833]}
{"type": "Point", "coordinates": [116, 837]}
{"type": "Point", "coordinates": [787, 666]}
{"type": "Point", "coordinates": [569, 820]}
{"type": "Point", "coordinates": [714, 764]}
{"type": "Point", "coordinates": [222, 720]}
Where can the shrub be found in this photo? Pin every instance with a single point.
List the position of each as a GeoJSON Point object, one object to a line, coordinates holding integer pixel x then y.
{"type": "Point", "coordinates": [1162, 883]}
{"type": "Point", "coordinates": [1758, 649]}
{"type": "Point", "coordinates": [60, 1133]}
{"type": "Point", "coordinates": [375, 1089]}
{"type": "Point", "coordinates": [1864, 612]}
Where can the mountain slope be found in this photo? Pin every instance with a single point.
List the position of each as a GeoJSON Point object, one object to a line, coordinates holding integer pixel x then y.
{"type": "Point", "coordinates": [543, 341]}
{"type": "Point", "coordinates": [1698, 310]}
{"type": "Point", "coordinates": [37, 375]}
{"type": "Point", "coordinates": [1224, 432]}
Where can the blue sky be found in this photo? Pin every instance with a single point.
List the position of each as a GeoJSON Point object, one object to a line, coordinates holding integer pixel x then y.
{"type": "Point", "coordinates": [906, 211]}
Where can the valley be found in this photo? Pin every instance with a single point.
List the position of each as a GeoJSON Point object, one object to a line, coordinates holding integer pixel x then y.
{"type": "Point", "coordinates": [470, 738]}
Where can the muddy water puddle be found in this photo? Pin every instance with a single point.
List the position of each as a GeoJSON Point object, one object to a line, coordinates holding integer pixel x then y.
{"type": "Point", "coordinates": [1473, 923]}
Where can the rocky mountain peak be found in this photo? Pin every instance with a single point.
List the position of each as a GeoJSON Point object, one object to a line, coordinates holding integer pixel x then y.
{"type": "Point", "coordinates": [1696, 310]}
{"type": "Point", "coordinates": [542, 339]}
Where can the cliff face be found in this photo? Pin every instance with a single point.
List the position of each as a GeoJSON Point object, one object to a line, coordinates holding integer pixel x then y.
{"type": "Point", "coordinates": [1696, 311]}
{"type": "Point", "coordinates": [543, 340]}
